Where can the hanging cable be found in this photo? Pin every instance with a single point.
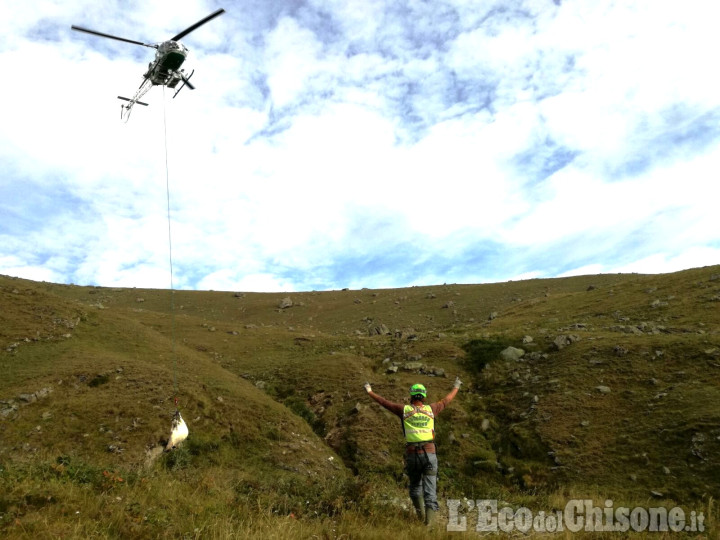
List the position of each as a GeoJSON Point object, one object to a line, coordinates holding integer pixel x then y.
{"type": "Point", "coordinates": [172, 290]}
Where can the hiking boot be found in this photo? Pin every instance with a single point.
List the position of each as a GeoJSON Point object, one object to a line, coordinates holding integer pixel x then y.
{"type": "Point", "coordinates": [430, 516]}
{"type": "Point", "coordinates": [419, 505]}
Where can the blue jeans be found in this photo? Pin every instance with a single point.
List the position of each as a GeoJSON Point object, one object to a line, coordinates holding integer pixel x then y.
{"type": "Point", "coordinates": [422, 469]}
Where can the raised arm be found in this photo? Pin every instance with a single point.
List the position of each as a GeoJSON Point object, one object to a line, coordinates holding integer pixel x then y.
{"type": "Point", "coordinates": [444, 402]}
{"type": "Point", "coordinates": [395, 408]}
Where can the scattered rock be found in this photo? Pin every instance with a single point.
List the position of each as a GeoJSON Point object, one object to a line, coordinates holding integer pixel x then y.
{"type": "Point", "coordinates": [436, 372]}
{"type": "Point", "coordinates": [391, 369]}
{"type": "Point", "coordinates": [285, 303]}
{"type": "Point", "coordinates": [151, 454]}
{"type": "Point", "coordinates": [666, 470]}
{"type": "Point", "coordinates": [493, 315]}
{"type": "Point", "coordinates": [527, 339]}
{"type": "Point", "coordinates": [619, 350]}
{"type": "Point", "coordinates": [563, 341]}
{"type": "Point", "coordinates": [591, 288]}
{"type": "Point", "coordinates": [485, 425]}
{"type": "Point", "coordinates": [603, 389]}
{"type": "Point", "coordinates": [628, 329]}
{"type": "Point", "coordinates": [512, 354]}
{"type": "Point", "coordinates": [43, 392]}
{"type": "Point", "coordinates": [657, 494]}
{"type": "Point", "coordinates": [379, 330]}
{"type": "Point", "coordinates": [536, 356]}
{"type": "Point", "coordinates": [7, 408]}
{"type": "Point", "coordinates": [412, 366]}
{"type": "Point", "coordinates": [448, 304]}
{"type": "Point", "coordinates": [585, 423]}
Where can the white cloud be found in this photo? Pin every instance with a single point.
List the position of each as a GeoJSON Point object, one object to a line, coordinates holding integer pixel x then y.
{"type": "Point", "coordinates": [227, 280]}
{"type": "Point", "coordinates": [14, 266]}
{"type": "Point", "coordinates": [366, 143]}
{"type": "Point", "coordinates": [583, 270]}
{"type": "Point", "coordinates": [661, 263]}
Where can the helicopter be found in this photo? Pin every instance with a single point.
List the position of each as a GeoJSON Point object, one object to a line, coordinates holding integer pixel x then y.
{"type": "Point", "coordinates": [165, 69]}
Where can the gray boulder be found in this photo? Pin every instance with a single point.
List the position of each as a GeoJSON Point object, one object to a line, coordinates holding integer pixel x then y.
{"type": "Point", "coordinates": [413, 366]}
{"type": "Point", "coordinates": [512, 354]}
{"type": "Point", "coordinates": [563, 341]}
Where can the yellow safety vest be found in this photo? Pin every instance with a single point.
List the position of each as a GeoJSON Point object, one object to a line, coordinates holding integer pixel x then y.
{"type": "Point", "coordinates": [418, 423]}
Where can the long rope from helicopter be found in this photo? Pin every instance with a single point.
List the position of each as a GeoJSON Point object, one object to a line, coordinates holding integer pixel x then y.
{"type": "Point", "coordinates": [170, 255]}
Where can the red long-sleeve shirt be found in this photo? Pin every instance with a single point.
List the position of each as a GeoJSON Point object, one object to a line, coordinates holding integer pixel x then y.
{"type": "Point", "coordinates": [397, 409]}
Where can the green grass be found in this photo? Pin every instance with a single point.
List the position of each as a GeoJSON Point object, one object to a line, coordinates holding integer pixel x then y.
{"type": "Point", "coordinates": [285, 443]}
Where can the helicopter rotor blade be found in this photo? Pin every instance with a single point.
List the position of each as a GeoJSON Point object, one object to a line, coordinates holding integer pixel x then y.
{"type": "Point", "coordinates": [96, 33]}
{"type": "Point", "coordinates": [197, 25]}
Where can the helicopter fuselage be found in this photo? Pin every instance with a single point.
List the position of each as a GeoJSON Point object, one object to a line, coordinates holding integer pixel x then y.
{"type": "Point", "coordinates": [166, 68]}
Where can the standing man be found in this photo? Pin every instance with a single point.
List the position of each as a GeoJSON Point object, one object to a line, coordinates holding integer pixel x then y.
{"type": "Point", "coordinates": [418, 423]}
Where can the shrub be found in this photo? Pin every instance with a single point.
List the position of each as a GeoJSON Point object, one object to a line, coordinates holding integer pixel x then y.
{"type": "Point", "coordinates": [480, 352]}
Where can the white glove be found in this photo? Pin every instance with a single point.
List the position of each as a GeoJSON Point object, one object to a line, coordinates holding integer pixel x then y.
{"type": "Point", "coordinates": [457, 382]}
{"type": "Point", "coordinates": [368, 388]}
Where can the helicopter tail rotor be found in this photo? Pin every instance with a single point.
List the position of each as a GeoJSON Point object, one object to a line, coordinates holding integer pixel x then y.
{"type": "Point", "coordinates": [132, 100]}
{"type": "Point", "coordinates": [186, 81]}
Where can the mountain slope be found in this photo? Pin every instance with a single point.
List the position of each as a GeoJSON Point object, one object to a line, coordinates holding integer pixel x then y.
{"type": "Point", "coordinates": [615, 396]}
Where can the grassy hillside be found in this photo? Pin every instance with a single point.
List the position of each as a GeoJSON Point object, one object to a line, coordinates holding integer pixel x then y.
{"type": "Point", "coordinates": [617, 396]}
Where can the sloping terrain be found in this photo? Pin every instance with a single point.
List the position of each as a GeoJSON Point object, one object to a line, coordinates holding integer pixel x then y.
{"type": "Point", "coordinates": [613, 396]}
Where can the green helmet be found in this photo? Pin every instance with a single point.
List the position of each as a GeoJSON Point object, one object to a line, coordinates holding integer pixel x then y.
{"type": "Point", "coordinates": [416, 389]}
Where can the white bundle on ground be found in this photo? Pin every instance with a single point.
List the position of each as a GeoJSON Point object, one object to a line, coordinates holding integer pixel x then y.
{"type": "Point", "coordinates": [179, 432]}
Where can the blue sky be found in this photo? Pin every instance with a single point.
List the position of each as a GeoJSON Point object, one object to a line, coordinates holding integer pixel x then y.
{"type": "Point", "coordinates": [372, 143]}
